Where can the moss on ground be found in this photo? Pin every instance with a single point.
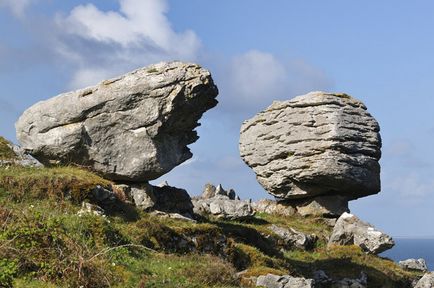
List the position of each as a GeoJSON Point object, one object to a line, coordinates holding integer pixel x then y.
{"type": "Point", "coordinates": [56, 182]}
{"type": "Point", "coordinates": [44, 242]}
{"type": "Point", "coordinates": [6, 153]}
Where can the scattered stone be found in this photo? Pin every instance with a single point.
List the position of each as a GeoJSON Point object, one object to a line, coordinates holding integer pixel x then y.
{"type": "Point", "coordinates": [350, 230]}
{"type": "Point", "coordinates": [285, 281]}
{"type": "Point", "coordinates": [176, 216]}
{"type": "Point", "coordinates": [17, 156]}
{"type": "Point", "coordinates": [87, 208]}
{"type": "Point", "coordinates": [272, 207]}
{"type": "Point", "coordinates": [162, 198]}
{"type": "Point", "coordinates": [427, 281]}
{"type": "Point", "coordinates": [322, 278]}
{"type": "Point", "coordinates": [210, 191]}
{"type": "Point", "coordinates": [315, 144]}
{"type": "Point", "coordinates": [362, 282]}
{"type": "Point", "coordinates": [103, 196]}
{"type": "Point", "coordinates": [143, 196]}
{"type": "Point", "coordinates": [323, 206]}
{"type": "Point", "coordinates": [134, 128]}
{"type": "Point", "coordinates": [414, 264]}
{"type": "Point", "coordinates": [294, 238]}
{"type": "Point", "coordinates": [224, 208]}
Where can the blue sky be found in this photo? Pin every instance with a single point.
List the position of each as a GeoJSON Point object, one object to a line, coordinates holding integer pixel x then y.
{"type": "Point", "coordinates": [380, 52]}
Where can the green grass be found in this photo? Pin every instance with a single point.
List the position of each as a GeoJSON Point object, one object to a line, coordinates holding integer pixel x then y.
{"type": "Point", "coordinates": [6, 153]}
{"type": "Point", "coordinates": [44, 242]}
{"type": "Point", "coordinates": [56, 182]}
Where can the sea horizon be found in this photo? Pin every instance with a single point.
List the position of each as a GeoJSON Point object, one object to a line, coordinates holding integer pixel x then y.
{"type": "Point", "coordinates": [412, 247]}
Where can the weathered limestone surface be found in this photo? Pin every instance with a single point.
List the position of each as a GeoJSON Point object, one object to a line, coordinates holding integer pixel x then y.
{"type": "Point", "coordinates": [285, 281]}
{"type": "Point", "coordinates": [315, 144]}
{"type": "Point", "coordinates": [135, 127]}
{"type": "Point", "coordinates": [350, 230]}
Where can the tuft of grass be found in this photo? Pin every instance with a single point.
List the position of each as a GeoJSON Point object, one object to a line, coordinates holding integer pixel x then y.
{"type": "Point", "coordinates": [6, 153]}
{"type": "Point", "coordinates": [56, 182]}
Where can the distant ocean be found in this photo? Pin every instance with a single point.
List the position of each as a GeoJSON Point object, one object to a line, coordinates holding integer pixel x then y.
{"type": "Point", "coordinates": [406, 248]}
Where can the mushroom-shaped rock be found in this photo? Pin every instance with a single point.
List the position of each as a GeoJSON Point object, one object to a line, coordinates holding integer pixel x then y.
{"type": "Point", "coordinates": [350, 230]}
{"type": "Point", "coordinates": [315, 144]}
{"type": "Point", "coordinates": [135, 127]}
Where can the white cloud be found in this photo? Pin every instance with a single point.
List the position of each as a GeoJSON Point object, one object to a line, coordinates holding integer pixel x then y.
{"type": "Point", "coordinates": [102, 44]}
{"type": "Point", "coordinates": [411, 188]}
{"type": "Point", "coordinates": [254, 79]}
{"type": "Point", "coordinates": [18, 7]}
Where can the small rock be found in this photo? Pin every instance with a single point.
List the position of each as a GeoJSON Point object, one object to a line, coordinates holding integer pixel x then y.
{"type": "Point", "coordinates": [176, 216]}
{"type": "Point", "coordinates": [165, 198]}
{"type": "Point", "coordinates": [414, 264]}
{"type": "Point", "coordinates": [362, 282]}
{"type": "Point", "coordinates": [285, 281]}
{"type": "Point", "coordinates": [87, 208]}
{"type": "Point", "coordinates": [350, 230]}
{"type": "Point", "coordinates": [21, 158]}
{"type": "Point", "coordinates": [272, 207]}
{"type": "Point", "coordinates": [224, 208]}
{"type": "Point", "coordinates": [210, 191]}
{"type": "Point", "coordinates": [294, 238]}
{"type": "Point", "coordinates": [323, 206]}
{"type": "Point", "coordinates": [427, 281]}
{"type": "Point", "coordinates": [321, 278]}
{"type": "Point", "coordinates": [143, 196]}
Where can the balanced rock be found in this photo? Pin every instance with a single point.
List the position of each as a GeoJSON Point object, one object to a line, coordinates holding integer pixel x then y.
{"type": "Point", "coordinates": [350, 230]}
{"type": "Point", "coordinates": [135, 127]}
{"type": "Point", "coordinates": [315, 144]}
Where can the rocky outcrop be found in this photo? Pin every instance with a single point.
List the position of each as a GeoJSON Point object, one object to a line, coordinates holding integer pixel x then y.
{"type": "Point", "coordinates": [315, 144]}
{"type": "Point", "coordinates": [293, 238]}
{"type": "Point", "coordinates": [321, 206]}
{"type": "Point", "coordinates": [272, 207]}
{"type": "Point", "coordinates": [427, 281]}
{"type": "Point", "coordinates": [285, 281]}
{"type": "Point", "coordinates": [160, 198]}
{"type": "Point", "coordinates": [210, 191]}
{"type": "Point", "coordinates": [11, 154]}
{"type": "Point", "coordinates": [350, 230]}
{"type": "Point", "coordinates": [414, 264]}
{"type": "Point", "coordinates": [222, 204]}
{"type": "Point", "coordinates": [135, 127]}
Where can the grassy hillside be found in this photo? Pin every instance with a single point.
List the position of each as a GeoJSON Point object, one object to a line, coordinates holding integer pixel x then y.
{"type": "Point", "coordinates": [44, 242]}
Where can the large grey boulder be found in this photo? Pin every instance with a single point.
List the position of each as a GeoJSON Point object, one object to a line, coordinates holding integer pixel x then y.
{"type": "Point", "coordinates": [350, 230]}
{"type": "Point", "coordinates": [135, 127]}
{"type": "Point", "coordinates": [315, 144]}
{"type": "Point", "coordinates": [427, 281]}
{"type": "Point", "coordinates": [414, 264]}
{"type": "Point", "coordinates": [285, 281]}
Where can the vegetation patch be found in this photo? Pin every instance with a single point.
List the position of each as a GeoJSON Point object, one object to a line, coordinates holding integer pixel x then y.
{"type": "Point", "coordinates": [44, 243]}
{"type": "Point", "coordinates": [57, 182]}
{"type": "Point", "coordinates": [6, 153]}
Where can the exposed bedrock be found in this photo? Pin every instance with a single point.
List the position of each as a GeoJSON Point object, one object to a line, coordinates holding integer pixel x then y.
{"type": "Point", "coordinates": [135, 127]}
{"type": "Point", "coordinates": [315, 144]}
